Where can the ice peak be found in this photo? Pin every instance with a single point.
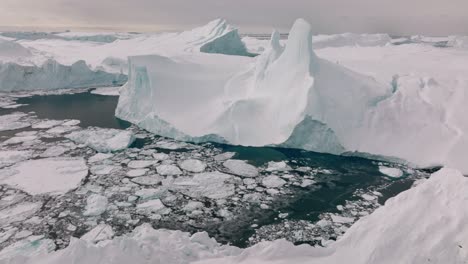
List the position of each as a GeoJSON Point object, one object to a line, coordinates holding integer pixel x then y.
{"type": "Point", "coordinates": [217, 25]}
{"type": "Point", "coordinates": [299, 45]}
{"type": "Point", "coordinates": [275, 40]}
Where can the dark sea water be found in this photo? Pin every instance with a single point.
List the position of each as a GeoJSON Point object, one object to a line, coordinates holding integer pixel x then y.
{"type": "Point", "coordinates": [347, 173]}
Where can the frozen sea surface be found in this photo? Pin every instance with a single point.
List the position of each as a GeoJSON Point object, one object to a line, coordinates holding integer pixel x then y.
{"type": "Point", "coordinates": [239, 195]}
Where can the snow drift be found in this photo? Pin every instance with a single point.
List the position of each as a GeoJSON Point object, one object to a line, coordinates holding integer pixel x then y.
{"type": "Point", "coordinates": [395, 233]}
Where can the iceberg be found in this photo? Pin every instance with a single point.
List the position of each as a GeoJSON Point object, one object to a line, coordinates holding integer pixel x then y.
{"type": "Point", "coordinates": [288, 96]}
{"type": "Point", "coordinates": [286, 86]}
{"type": "Point", "coordinates": [53, 75]}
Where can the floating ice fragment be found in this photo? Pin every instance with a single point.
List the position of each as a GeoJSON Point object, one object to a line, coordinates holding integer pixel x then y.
{"type": "Point", "coordinates": [193, 165]}
{"type": "Point", "coordinates": [50, 175]}
{"type": "Point", "coordinates": [273, 181]}
{"type": "Point", "coordinates": [241, 168]}
{"type": "Point", "coordinates": [103, 140]}
{"type": "Point", "coordinates": [391, 172]}
{"type": "Point", "coordinates": [278, 166]}
{"type": "Point", "coordinates": [140, 164]}
{"type": "Point", "coordinates": [100, 233]}
{"type": "Point", "coordinates": [168, 170]}
{"type": "Point", "coordinates": [95, 205]}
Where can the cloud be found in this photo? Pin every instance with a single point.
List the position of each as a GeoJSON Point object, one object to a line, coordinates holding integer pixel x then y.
{"type": "Point", "coordinates": [327, 16]}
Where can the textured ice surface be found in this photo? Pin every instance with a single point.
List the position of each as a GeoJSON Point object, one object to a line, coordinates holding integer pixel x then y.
{"type": "Point", "coordinates": [273, 181]}
{"type": "Point", "coordinates": [291, 97]}
{"type": "Point", "coordinates": [214, 185]}
{"type": "Point", "coordinates": [78, 59]}
{"type": "Point", "coordinates": [99, 233]}
{"type": "Point", "coordinates": [18, 212]}
{"type": "Point", "coordinates": [391, 172]}
{"type": "Point", "coordinates": [109, 91]}
{"type": "Point", "coordinates": [241, 168]}
{"type": "Point", "coordinates": [13, 121]}
{"type": "Point", "coordinates": [167, 169]}
{"type": "Point", "coordinates": [95, 205]}
{"type": "Point", "coordinates": [103, 140]}
{"type": "Point", "coordinates": [52, 175]}
{"type": "Point", "coordinates": [53, 75]}
{"type": "Point", "coordinates": [193, 165]}
{"type": "Point", "coordinates": [407, 218]}
{"type": "Point", "coordinates": [351, 39]}
{"type": "Point", "coordinates": [10, 157]}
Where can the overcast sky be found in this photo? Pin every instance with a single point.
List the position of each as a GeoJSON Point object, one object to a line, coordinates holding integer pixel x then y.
{"type": "Point", "coordinates": [430, 17]}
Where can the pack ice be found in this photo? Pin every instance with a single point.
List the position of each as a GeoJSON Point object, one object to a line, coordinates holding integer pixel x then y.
{"type": "Point", "coordinates": [394, 233]}
{"type": "Point", "coordinates": [289, 96]}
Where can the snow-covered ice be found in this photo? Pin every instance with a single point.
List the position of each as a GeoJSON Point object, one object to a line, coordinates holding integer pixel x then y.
{"type": "Point", "coordinates": [273, 181]}
{"type": "Point", "coordinates": [103, 140]}
{"type": "Point", "coordinates": [153, 207]}
{"type": "Point", "coordinates": [435, 206]}
{"type": "Point", "coordinates": [241, 168]}
{"type": "Point", "coordinates": [167, 169]}
{"type": "Point", "coordinates": [13, 121]}
{"type": "Point", "coordinates": [193, 165]}
{"type": "Point", "coordinates": [278, 166]}
{"type": "Point", "coordinates": [214, 185]}
{"type": "Point", "coordinates": [95, 205]}
{"type": "Point", "coordinates": [100, 233]}
{"type": "Point", "coordinates": [10, 157]}
{"type": "Point", "coordinates": [109, 91]}
{"type": "Point", "coordinates": [391, 172]}
{"type": "Point", "coordinates": [18, 212]}
{"type": "Point", "coordinates": [140, 164]}
{"type": "Point", "coordinates": [51, 175]}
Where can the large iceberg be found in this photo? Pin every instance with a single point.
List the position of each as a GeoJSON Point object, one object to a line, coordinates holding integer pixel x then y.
{"type": "Point", "coordinates": [289, 96]}
{"type": "Point", "coordinates": [395, 233]}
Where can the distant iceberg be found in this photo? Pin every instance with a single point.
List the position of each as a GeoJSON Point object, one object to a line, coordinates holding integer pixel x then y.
{"type": "Point", "coordinates": [288, 96]}
{"type": "Point", "coordinates": [53, 75]}
{"type": "Point", "coordinates": [35, 61]}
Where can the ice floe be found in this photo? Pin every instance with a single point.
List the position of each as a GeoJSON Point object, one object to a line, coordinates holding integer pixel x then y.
{"type": "Point", "coordinates": [103, 140]}
{"type": "Point", "coordinates": [51, 175]}
{"type": "Point", "coordinates": [95, 205]}
{"type": "Point", "coordinates": [241, 168]}
{"type": "Point", "coordinates": [391, 172]}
